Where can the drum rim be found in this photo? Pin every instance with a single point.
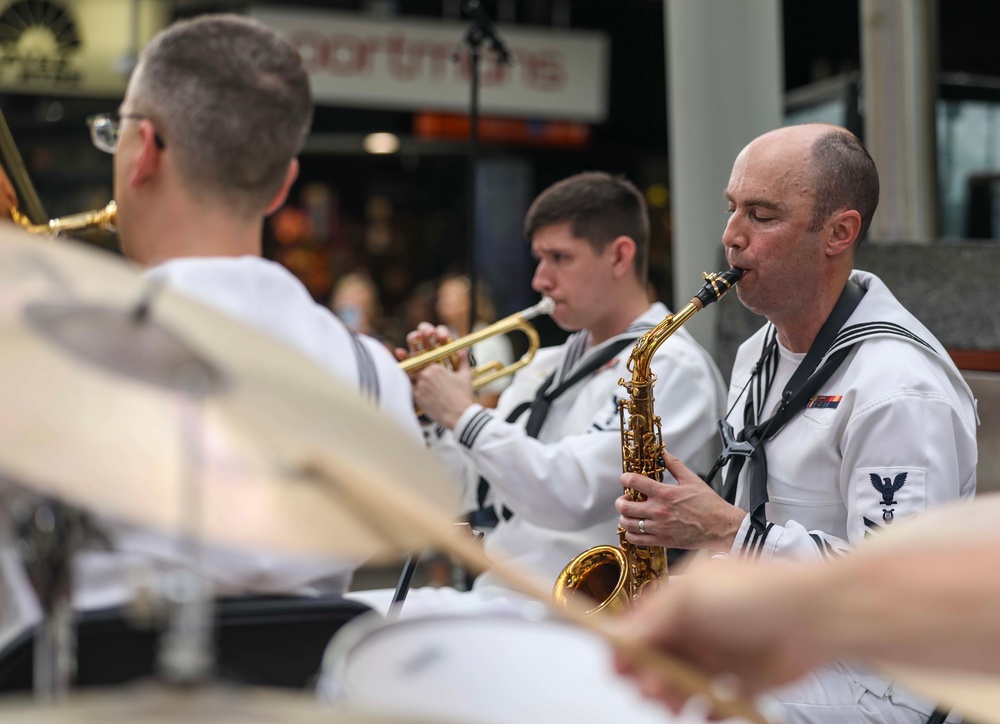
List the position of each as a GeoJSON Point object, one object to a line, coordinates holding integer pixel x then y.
{"type": "Point", "coordinates": [337, 652]}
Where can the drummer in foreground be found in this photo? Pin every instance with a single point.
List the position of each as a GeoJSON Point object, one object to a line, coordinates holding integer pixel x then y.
{"type": "Point", "coordinates": [205, 145]}
{"type": "Point", "coordinates": [932, 604]}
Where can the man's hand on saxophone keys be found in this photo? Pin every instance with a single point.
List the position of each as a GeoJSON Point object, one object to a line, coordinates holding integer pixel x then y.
{"type": "Point", "coordinates": [686, 515]}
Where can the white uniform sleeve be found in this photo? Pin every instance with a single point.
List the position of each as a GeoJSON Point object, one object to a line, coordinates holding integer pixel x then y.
{"type": "Point", "coordinates": [457, 462]}
{"type": "Point", "coordinates": [901, 454]}
{"type": "Point", "coordinates": [573, 482]}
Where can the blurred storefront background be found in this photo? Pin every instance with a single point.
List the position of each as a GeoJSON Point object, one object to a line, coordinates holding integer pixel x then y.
{"type": "Point", "coordinates": [384, 177]}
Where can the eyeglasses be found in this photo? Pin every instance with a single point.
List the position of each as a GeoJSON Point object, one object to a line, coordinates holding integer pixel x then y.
{"type": "Point", "coordinates": [106, 130]}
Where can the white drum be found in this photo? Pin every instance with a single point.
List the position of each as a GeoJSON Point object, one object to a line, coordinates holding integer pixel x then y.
{"type": "Point", "coordinates": [482, 669]}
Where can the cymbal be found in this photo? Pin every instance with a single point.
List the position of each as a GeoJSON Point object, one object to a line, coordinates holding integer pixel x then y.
{"type": "Point", "coordinates": [162, 705]}
{"type": "Point", "coordinates": [110, 388]}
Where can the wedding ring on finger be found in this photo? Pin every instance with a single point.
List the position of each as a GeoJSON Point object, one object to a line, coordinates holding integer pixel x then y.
{"type": "Point", "coordinates": [642, 526]}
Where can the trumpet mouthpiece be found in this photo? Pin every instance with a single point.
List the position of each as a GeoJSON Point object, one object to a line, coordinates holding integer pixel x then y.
{"type": "Point", "coordinates": [545, 306]}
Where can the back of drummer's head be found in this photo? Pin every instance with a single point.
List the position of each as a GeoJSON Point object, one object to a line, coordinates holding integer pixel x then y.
{"type": "Point", "coordinates": [231, 99]}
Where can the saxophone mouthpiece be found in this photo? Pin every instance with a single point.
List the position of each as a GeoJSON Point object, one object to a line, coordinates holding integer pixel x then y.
{"type": "Point", "coordinates": [733, 275]}
{"type": "Point", "coordinates": [716, 285]}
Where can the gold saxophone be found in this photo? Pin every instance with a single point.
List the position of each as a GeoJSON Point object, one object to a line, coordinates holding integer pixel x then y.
{"type": "Point", "coordinates": [616, 578]}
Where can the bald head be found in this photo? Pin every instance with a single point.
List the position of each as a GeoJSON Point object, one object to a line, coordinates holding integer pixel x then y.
{"type": "Point", "coordinates": [832, 163]}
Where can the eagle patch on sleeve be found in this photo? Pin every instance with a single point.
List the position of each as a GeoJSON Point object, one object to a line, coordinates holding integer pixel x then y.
{"type": "Point", "coordinates": [886, 495]}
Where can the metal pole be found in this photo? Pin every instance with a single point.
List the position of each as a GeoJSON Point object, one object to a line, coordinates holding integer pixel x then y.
{"type": "Point", "coordinates": [481, 30]}
{"type": "Point", "coordinates": [473, 157]}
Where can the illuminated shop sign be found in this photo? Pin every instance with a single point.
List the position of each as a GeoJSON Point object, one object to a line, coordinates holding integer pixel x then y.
{"type": "Point", "coordinates": [82, 47]}
{"type": "Point", "coordinates": [409, 64]}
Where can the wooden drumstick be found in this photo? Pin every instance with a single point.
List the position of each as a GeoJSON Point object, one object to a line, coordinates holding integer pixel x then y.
{"type": "Point", "coordinates": [400, 509]}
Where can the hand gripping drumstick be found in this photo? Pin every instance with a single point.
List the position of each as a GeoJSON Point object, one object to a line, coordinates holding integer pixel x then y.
{"type": "Point", "coordinates": [402, 509]}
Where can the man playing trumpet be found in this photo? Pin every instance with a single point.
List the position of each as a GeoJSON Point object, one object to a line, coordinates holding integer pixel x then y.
{"type": "Point", "coordinates": [548, 459]}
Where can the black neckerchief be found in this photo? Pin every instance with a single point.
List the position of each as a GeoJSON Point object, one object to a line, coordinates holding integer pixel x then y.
{"type": "Point", "coordinates": [544, 398]}
{"type": "Point", "coordinates": [748, 446]}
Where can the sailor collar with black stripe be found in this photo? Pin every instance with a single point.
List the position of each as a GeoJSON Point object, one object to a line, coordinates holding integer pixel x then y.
{"type": "Point", "coordinates": [578, 351]}
{"type": "Point", "coordinates": [880, 315]}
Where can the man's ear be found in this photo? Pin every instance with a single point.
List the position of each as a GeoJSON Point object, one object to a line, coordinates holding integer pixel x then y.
{"type": "Point", "coordinates": [846, 225]}
{"type": "Point", "coordinates": [148, 160]}
{"type": "Point", "coordinates": [622, 251]}
{"type": "Point", "coordinates": [279, 198]}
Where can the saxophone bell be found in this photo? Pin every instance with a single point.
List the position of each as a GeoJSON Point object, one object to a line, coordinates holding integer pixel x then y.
{"type": "Point", "coordinates": [602, 575]}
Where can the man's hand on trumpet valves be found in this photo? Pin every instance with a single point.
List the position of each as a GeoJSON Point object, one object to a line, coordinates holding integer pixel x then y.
{"type": "Point", "coordinates": [686, 515]}
{"type": "Point", "coordinates": [439, 393]}
{"type": "Point", "coordinates": [425, 337]}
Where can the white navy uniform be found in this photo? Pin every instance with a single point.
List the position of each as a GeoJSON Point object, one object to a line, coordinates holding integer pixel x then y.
{"type": "Point", "coordinates": [889, 434]}
{"type": "Point", "coordinates": [266, 296]}
{"type": "Point", "coordinates": [561, 487]}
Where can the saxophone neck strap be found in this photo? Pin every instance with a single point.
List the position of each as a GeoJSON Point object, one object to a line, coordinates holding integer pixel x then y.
{"type": "Point", "coordinates": [747, 448]}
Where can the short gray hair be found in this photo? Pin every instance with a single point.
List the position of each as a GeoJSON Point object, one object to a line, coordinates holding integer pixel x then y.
{"type": "Point", "coordinates": [844, 177]}
{"type": "Point", "coordinates": [230, 97]}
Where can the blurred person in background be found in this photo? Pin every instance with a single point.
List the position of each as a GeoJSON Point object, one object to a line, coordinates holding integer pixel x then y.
{"type": "Point", "coordinates": [452, 307]}
{"type": "Point", "coordinates": [355, 300]}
